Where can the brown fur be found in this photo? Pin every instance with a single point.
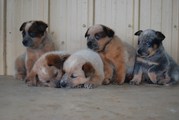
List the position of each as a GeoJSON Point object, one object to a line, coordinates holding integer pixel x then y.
{"type": "Point", "coordinates": [117, 56]}
{"type": "Point", "coordinates": [40, 44]}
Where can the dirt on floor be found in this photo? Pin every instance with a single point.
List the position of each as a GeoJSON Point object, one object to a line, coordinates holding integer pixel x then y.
{"type": "Point", "coordinates": [110, 102]}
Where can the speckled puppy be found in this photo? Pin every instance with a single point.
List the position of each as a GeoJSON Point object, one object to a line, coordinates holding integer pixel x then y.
{"type": "Point", "coordinates": [152, 60]}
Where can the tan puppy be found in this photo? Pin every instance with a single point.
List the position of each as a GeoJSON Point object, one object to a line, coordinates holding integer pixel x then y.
{"type": "Point", "coordinates": [47, 70]}
{"type": "Point", "coordinates": [118, 56]}
{"type": "Point", "coordinates": [37, 41]}
{"type": "Point", "coordinates": [83, 68]}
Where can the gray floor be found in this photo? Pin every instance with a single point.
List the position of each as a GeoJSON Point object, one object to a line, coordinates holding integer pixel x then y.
{"type": "Point", "coordinates": [112, 102]}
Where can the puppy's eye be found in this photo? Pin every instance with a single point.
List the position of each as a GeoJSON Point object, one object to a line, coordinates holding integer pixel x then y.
{"type": "Point", "coordinates": [73, 76]}
{"type": "Point", "coordinates": [148, 44]}
{"type": "Point", "coordinates": [32, 34]}
{"type": "Point", "coordinates": [97, 36]}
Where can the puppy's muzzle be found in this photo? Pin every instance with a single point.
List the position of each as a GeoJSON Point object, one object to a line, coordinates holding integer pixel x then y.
{"type": "Point", "coordinates": [92, 44]}
{"type": "Point", "coordinates": [27, 41]}
{"type": "Point", "coordinates": [64, 81]}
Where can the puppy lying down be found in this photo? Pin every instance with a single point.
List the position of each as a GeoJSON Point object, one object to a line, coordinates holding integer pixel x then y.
{"type": "Point", "coordinates": [83, 69]}
{"type": "Point", "coordinates": [47, 70]}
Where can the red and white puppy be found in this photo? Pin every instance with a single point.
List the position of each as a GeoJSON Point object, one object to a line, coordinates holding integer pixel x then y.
{"type": "Point", "coordinates": [37, 42]}
{"type": "Point", "coordinates": [48, 69]}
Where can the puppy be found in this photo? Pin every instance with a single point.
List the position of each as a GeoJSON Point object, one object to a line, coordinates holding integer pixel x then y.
{"type": "Point", "coordinates": [37, 42]}
{"type": "Point", "coordinates": [47, 70]}
{"type": "Point", "coordinates": [83, 68]}
{"type": "Point", "coordinates": [118, 56]}
{"type": "Point", "coordinates": [153, 62]}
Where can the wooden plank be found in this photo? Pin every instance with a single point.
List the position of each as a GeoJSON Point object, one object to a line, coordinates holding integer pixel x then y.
{"type": "Point", "coordinates": [69, 22]}
{"type": "Point", "coordinates": [156, 16]}
{"type": "Point", "coordinates": [145, 14]}
{"type": "Point", "coordinates": [167, 24]}
{"type": "Point", "coordinates": [175, 30]}
{"type": "Point", "coordinates": [2, 37]}
{"type": "Point", "coordinates": [136, 20]}
{"type": "Point", "coordinates": [19, 11]}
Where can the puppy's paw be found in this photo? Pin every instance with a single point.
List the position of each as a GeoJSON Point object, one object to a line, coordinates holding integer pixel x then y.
{"type": "Point", "coordinates": [134, 82]}
{"type": "Point", "coordinates": [89, 85]}
{"type": "Point", "coordinates": [106, 81]}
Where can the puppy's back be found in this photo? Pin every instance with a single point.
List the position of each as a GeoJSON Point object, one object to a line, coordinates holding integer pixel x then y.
{"type": "Point", "coordinates": [83, 56]}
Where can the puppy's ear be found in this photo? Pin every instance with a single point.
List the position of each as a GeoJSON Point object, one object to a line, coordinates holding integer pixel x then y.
{"type": "Point", "coordinates": [88, 69]}
{"type": "Point", "coordinates": [86, 34]}
{"type": "Point", "coordinates": [138, 32]}
{"type": "Point", "coordinates": [56, 60]}
{"type": "Point", "coordinates": [22, 26]}
{"type": "Point", "coordinates": [160, 35]}
{"type": "Point", "coordinates": [41, 26]}
{"type": "Point", "coordinates": [108, 31]}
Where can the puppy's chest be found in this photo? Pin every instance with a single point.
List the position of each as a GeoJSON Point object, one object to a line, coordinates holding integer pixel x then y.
{"type": "Point", "coordinates": [145, 64]}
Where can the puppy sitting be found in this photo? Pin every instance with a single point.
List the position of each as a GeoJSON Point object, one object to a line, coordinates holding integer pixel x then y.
{"type": "Point", "coordinates": [37, 41]}
{"type": "Point", "coordinates": [47, 70]}
{"type": "Point", "coordinates": [118, 56]}
{"type": "Point", "coordinates": [83, 68]}
{"type": "Point", "coordinates": [152, 60]}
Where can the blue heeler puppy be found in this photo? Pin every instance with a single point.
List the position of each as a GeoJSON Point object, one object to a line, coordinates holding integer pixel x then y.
{"type": "Point", "coordinates": [152, 62]}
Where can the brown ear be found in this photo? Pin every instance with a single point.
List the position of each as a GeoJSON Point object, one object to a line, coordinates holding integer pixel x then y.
{"type": "Point", "coordinates": [42, 26]}
{"type": "Point", "coordinates": [108, 31]}
{"type": "Point", "coordinates": [160, 35]}
{"type": "Point", "coordinates": [22, 26]}
{"type": "Point", "coordinates": [56, 60]}
{"type": "Point", "coordinates": [138, 32]}
{"type": "Point", "coordinates": [88, 69]}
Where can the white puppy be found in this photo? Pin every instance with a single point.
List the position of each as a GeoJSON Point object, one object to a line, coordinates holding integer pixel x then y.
{"type": "Point", "coordinates": [83, 68]}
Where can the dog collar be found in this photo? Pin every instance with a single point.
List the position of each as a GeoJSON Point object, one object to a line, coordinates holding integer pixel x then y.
{"type": "Point", "coordinates": [105, 46]}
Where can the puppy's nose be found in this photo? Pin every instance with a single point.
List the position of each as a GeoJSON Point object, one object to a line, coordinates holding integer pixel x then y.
{"type": "Point", "coordinates": [63, 84]}
{"type": "Point", "coordinates": [89, 44]}
{"type": "Point", "coordinates": [25, 42]}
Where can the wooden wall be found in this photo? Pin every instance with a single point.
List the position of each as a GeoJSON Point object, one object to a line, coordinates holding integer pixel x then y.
{"type": "Point", "coordinates": [69, 19]}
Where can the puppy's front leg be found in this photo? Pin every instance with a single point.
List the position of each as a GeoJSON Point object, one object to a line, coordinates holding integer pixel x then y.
{"type": "Point", "coordinates": [137, 75]}
{"type": "Point", "coordinates": [29, 65]}
{"type": "Point", "coordinates": [93, 82]}
{"type": "Point", "coordinates": [108, 73]}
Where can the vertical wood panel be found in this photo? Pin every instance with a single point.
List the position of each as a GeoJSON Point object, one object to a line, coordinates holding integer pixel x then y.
{"type": "Point", "coordinates": [145, 7]}
{"type": "Point", "coordinates": [167, 24]}
{"type": "Point", "coordinates": [175, 30]}
{"type": "Point", "coordinates": [2, 37]}
{"type": "Point", "coordinates": [19, 11]}
{"type": "Point", "coordinates": [69, 22]}
{"type": "Point", "coordinates": [118, 15]}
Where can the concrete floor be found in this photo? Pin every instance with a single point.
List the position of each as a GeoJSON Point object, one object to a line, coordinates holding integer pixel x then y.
{"type": "Point", "coordinates": [112, 102]}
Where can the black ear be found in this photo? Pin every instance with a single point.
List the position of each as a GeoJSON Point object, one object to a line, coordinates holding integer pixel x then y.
{"type": "Point", "coordinates": [138, 32]}
{"type": "Point", "coordinates": [108, 31]}
{"type": "Point", "coordinates": [160, 35]}
{"type": "Point", "coordinates": [86, 34]}
{"type": "Point", "coordinates": [88, 69]}
{"type": "Point", "coordinates": [42, 26]}
{"type": "Point", "coordinates": [22, 26]}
